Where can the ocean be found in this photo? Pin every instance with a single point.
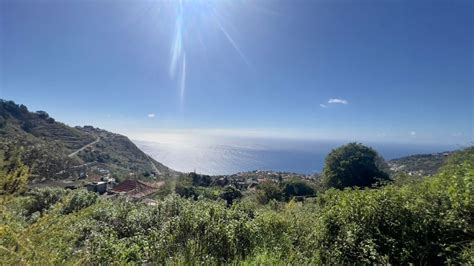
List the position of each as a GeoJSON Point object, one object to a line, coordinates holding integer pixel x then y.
{"type": "Point", "coordinates": [230, 156]}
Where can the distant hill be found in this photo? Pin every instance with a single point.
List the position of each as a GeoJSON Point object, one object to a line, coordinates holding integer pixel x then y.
{"type": "Point", "coordinates": [419, 164]}
{"type": "Point", "coordinates": [54, 150]}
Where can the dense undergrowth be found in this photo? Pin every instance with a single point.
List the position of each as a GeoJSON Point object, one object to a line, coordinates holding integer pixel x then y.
{"type": "Point", "coordinates": [423, 222]}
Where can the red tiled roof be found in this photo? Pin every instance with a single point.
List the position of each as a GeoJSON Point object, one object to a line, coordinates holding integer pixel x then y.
{"type": "Point", "coordinates": [126, 186]}
{"type": "Point", "coordinates": [136, 188]}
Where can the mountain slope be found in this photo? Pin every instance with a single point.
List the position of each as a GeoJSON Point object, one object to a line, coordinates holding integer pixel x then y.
{"type": "Point", "coordinates": [419, 164]}
{"type": "Point", "coordinates": [55, 150]}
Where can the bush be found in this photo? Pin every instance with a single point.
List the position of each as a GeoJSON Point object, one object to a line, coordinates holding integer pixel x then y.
{"type": "Point", "coordinates": [16, 180]}
{"type": "Point", "coordinates": [230, 194]}
{"type": "Point", "coordinates": [41, 199]}
{"type": "Point", "coordinates": [297, 188]}
{"type": "Point", "coordinates": [353, 165]}
{"type": "Point", "coordinates": [178, 228]}
{"type": "Point", "coordinates": [78, 200]}
{"type": "Point", "coordinates": [42, 114]}
{"type": "Point", "coordinates": [187, 192]}
{"type": "Point", "coordinates": [268, 191]}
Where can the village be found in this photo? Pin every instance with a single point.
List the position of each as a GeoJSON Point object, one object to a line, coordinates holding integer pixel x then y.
{"type": "Point", "coordinates": [98, 179]}
{"type": "Point", "coordinates": [247, 180]}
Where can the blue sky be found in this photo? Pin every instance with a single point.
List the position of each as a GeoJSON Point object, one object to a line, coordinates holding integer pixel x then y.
{"type": "Point", "coordinates": [389, 71]}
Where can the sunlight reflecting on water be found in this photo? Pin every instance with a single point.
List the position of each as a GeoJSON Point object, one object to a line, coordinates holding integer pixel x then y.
{"type": "Point", "coordinates": [227, 155]}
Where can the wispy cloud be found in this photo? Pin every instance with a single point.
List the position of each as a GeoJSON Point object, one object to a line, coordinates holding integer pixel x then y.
{"type": "Point", "coordinates": [337, 101]}
{"type": "Point", "coordinates": [334, 101]}
{"type": "Point", "coordinates": [151, 115]}
{"type": "Point", "coordinates": [413, 133]}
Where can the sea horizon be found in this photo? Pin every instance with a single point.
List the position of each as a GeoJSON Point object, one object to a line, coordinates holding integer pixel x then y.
{"type": "Point", "coordinates": [234, 155]}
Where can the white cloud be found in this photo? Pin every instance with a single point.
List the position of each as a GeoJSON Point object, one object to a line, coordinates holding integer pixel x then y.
{"type": "Point", "coordinates": [413, 133]}
{"type": "Point", "coordinates": [152, 115]}
{"type": "Point", "coordinates": [337, 101]}
{"type": "Point", "coordinates": [323, 106]}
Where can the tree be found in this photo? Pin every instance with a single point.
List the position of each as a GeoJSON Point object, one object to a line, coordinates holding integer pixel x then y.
{"type": "Point", "coordinates": [352, 165]}
{"type": "Point", "coordinates": [28, 126]}
{"type": "Point", "coordinates": [16, 180]}
{"type": "Point", "coordinates": [269, 190]}
{"type": "Point", "coordinates": [200, 180]}
{"type": "Point", "coordinates": [297, 188]}
{"type": "Point", "coordinates": [187, 192]}
{"type": "Point", "coordinates": [230, 194]}
{"type": "Point", "coordinates": [42, 114]}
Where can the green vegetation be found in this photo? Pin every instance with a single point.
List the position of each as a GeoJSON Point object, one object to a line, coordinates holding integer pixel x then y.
{"type": "Point", "coordinates": [284, 191]}
{"type": "Point", "coordinates": [418, 165]}
{"type": "Point", "coordinates": [354, 165]}
{"type": "Point", "coordinates": [16, 180]}
{"type": "Point", "coordinates": [297, 188]}
{"type": "Point", "coordinates": [268, 191]}
{"type": "Point", "coordinates": [430, 221]}
{"type": "Point", "coordinates": [231, 194]}
{"type": "Point", "coordinates": [53, 150]}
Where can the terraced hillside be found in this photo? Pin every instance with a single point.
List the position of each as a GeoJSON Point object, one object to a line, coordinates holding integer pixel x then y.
{"type": "Point", "coordinates": [120, 154]}
{"type": "Point", "coordinates": [54, 150]}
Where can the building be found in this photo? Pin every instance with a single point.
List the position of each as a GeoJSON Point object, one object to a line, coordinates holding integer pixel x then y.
{"type": "Point", "coordinates": [99, 187]}
{"type": "Point", "coordinates": [103, 171]}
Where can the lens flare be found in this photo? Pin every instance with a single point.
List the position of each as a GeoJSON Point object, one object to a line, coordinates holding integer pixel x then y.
{"type": "Point", "coordinates": [194, 21]}
{"type": "Point", "coordinates": [182, 84]}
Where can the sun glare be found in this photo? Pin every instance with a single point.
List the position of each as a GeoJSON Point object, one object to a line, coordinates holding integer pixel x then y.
{"type": "Point", "coordinates": [192, 20]}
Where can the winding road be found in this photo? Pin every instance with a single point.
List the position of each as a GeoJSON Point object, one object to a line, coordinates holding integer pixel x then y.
{"type": "Point", "coordinates": [84, 147]}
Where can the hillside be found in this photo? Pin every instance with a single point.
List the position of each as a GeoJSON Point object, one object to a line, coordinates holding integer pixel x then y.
{"type": "Point", "coordinates": [54, 150]}
{"type": "Point", "coordinates": [419, 164]}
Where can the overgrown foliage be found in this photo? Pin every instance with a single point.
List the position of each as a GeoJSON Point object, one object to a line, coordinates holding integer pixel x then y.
{"type": "Point", "coordinates": [15, 180]}
{"type": "Point", "coordinates": [268, 191]}
{"type": "Point", "coordinates": [297, 188]}
{"type": "Point", "coordinates": [230, 194]}
{"type": "Point", "coordinates": [284, 191]}
{"type": "Point", "coordinates": [426, 222]}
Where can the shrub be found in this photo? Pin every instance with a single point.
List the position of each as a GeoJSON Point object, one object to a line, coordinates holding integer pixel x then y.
{"type": "Point", "coordinates": [42, 114]}
{"type": "Point", "coordinates": [78, 200]}
{"type": "Point", "coordinates": [268, 191]}
{"type": "Point", "coordinates": [41, 199]}
{"type": "Point", "coordinates": [297, 188]}
{"type": "Point", "coordinates": [187, 192]}
{"type": "Point", "coordinates": [230, 194]}
{"type": "Point", "coordinates": [16, 180]}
